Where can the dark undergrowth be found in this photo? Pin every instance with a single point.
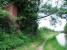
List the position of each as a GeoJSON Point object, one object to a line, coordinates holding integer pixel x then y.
{"type": "Point", "coordinates": [12, 41]}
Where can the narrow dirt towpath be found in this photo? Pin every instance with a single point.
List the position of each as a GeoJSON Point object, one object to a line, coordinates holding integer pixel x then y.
{"type": "Point", "coordinates": [38, 45]}
{"type": "Point", "coordinates": [33, 46]}
{"type": "Point", "coordinates": [41, 47]}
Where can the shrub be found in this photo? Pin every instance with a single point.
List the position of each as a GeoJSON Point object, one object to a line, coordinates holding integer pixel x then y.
{"type": "Point", "coordinates": [4, 21]}
{"type": "Point", "coordinates": [8, 42]}
{"type": "Point", "coordinates": [65, 28]}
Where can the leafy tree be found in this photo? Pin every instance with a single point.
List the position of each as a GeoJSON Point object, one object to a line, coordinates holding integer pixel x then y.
{"type": "Point", "coordinates": [27, 14]}
{"type": "Point", "coordinates": [48, 10]}
{"type": "Point", "coordinates": [61, 12]}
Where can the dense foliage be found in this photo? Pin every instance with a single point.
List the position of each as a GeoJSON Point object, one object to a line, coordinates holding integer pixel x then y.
{"type": "Point", "coordinates": [65, 29]}
{"type": "Point", "coordinates": [27, 14]}
{"type": "Point", "coordinates": [54, 12]}
{"type": "Point", "coordinates": [4, 26]}
{"type": "Point", "coordinates": [26, 21]}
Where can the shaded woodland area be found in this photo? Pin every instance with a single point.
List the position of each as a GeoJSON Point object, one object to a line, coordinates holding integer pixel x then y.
{"type": "Point", "coordinates": [19, 25]}
{"type": "Point", "coordinates": [21, 15]}
{"type": "Point", "coordinates": [17, 21]}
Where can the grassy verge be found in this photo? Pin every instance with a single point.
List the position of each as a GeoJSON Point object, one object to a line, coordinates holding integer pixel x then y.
{"type": "Point", "coordinates": [45, 34]}
{"type": "Point", "coordinates": [52, 45]}
{"type": "Point", "coordinates": [24, 42]}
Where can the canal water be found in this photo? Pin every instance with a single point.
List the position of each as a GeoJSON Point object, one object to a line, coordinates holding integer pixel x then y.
{"type": "Point", "coordinates": [61, 39]}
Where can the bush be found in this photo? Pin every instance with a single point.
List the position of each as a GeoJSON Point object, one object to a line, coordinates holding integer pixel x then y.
{"type": "Point", "coordinates": [4, 21]}
{"type": "Point", "coordinates": [44, 30]}
{"type": "Point", "coordinates": [65, 28]}
{"type": "Point", "coordinates": [8, 42]}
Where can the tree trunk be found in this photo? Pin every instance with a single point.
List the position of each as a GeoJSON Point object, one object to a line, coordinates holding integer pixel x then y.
{"type": "Point", "coordinates": [13, 17]}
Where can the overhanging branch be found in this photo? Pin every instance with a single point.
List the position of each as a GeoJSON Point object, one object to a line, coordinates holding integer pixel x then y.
{"type": "Point", "coordinates": [44, 16]}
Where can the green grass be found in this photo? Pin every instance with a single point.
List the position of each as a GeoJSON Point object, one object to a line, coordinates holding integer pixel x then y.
{"type": "Point", "coordinates": [11, 41]}
{"type": "Point", "coordinates": [23, 42]}
{"type": "Point", "coordinates": [44, 34]}
{"type": "Point", "coordinates": [52, 44]}
{"type": "Point", "coordinates": [32, 46]}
